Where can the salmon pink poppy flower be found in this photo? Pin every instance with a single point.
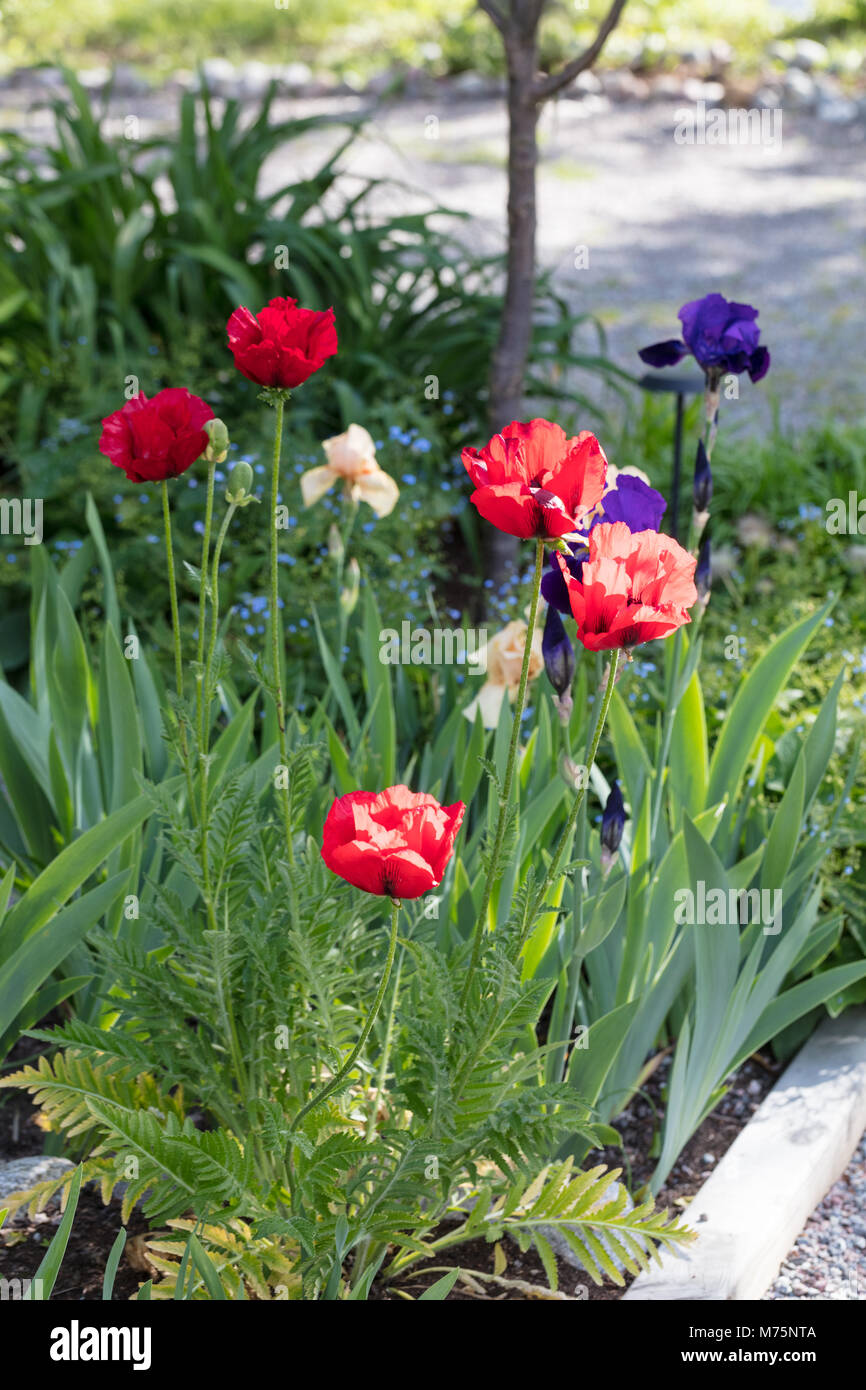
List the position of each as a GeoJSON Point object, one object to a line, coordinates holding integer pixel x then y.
{"type": "Point", "coordinates": [283, 344]}
{"type": "Point", "coordinates": [156, 439]}
{"type": "Point", "coordinates": [530, 480]}
{"type": "Point", "coordinates": [633, 587]}
{"type": "Point", "coordinates": [395, 843]}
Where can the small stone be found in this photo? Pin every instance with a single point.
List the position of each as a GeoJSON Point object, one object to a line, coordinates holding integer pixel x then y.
{"type": "Point", "coordinates": [809, 54]}
{"type": "Point", "coordinates": [800, 91]}
{"type": "Point", "coordinates": [126, 82]}
{"type": "Point", "coordinates": [20, 1174]}
{"type": "Point", "coordinates": [838, 112]}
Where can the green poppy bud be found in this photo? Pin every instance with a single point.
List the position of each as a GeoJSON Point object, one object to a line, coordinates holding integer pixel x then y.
{"type": "Point", "coordinates": [239, 484]}
{"type": "Point", "coordinates": [218, 447]}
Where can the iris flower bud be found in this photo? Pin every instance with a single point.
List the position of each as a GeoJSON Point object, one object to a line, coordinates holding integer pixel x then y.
{"type": "Point", "coordinates": [218, 445]}
{"type": "Point", "coordinates": [612, 824]}
{"type": "Point", "coordinates": [703, 487]}
{"type": "Point", "coordinates": [704, 570]}
{"type": "Point", "coordinates": [558, 653]}
{"type": "Point", "coordinates": [349, 595]}
{"type": "Point", "coordinates": [336, 548]}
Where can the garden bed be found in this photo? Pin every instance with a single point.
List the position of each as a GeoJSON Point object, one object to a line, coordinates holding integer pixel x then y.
{"type": "Point", "coordinates": [522, 1276]}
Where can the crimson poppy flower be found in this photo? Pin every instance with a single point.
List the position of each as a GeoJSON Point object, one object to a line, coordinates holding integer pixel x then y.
{"type": "Point", "coordinates": [283, 344]}
{"type": "Point", "coordinates": [395, 843]}
{"type": "Point", "coordinates": [531, 480]}
{"type": "Point", "coordinates": [633, 586]}
{"type": "Point", "coordinates": [155, 439]}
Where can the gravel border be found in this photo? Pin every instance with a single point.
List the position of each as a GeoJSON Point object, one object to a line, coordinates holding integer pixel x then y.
{"type": "Point", "coordinates": [828, 1260]}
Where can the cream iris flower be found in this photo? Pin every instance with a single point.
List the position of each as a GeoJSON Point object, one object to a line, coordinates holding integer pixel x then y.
{"type": "Point", "coordinates": [504, 653]}
{"type": "Point", "coordinates": [351, 457]}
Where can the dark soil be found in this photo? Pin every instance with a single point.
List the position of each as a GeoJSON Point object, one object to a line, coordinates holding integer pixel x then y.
{"type": "Point", "coordinates": [640, 1124]}
{"type": "Point", "coordinates": [93, 1233]}
{"type": "Point", "coordinates": [20, 1136]}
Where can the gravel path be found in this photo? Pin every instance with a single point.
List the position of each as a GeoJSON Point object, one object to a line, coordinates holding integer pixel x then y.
{"type": "Point", "coordinates": [781, 224]}
{"type": "Point", "coordinates": [828, 1260]}
{"type": "Point", "coordinates": [783, 227]}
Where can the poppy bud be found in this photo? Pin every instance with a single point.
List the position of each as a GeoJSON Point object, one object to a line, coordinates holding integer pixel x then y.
{"type": "Point", "coordinates": [558, 653]}
{"type": "Point", "coordinates": [239, 484]}
{"type": "Point", "coordinates": [612, 823]}
{"type": "Point", "coordinates": [218, 437]}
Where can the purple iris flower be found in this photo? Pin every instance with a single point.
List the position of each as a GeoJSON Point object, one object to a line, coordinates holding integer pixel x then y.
{"type": "Point", "coordinates": [553, 587]}
{"type": "Point", "coordinates": [721, 335]}
{"type": "Point", "coordinates": [632, 501]}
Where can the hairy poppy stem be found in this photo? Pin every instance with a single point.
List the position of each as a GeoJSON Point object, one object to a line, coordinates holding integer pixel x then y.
{"type": "Point", "coordinates": [202, 605]}
{"type": "Point", "coordinates": [336, 1081]}
{"type": "Point", "coordinates": [175, 628]}
{"type": "Point", "coordinates": [172, 591]}
{"type": "Point", "coordinates": [285, 793]}
{"type": "Point", "coordinates": [505, 797]}
{"type": "Point", "coordinates": [207, 696]}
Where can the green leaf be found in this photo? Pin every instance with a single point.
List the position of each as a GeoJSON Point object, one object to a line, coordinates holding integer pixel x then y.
{"type": "Point", "coordinates": [785, 829]}
{"type": "Point", "coordinates": [46, 1275]}
{"type": "Point", "coordinates": [46, 947]}
{"type": "Point", "coordinates": [631, 756]}
{"type": "Point", "coordinates": [753, 702]}
{"type": "Point", "coordinates": [377, 679]}
{"type": "Point", "coordinates": [205, 1267]}
{"type": "Point", "coordinates": [441, 1289]}
{"type": "Point", "coordinates": [818, 747]}
{"type": "Point", "coordinates": [111, 1265]}
{"type": "Point", "coordinates": [338, 685]}
{"type": "Point", "coordinates": [72, 866]}
{"type": "Point", "coordinates": [688, 760]}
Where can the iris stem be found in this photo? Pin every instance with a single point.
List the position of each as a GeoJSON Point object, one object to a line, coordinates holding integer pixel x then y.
{"type": "Point", "coordinates": [581, 794]}
{"type": "Point", "coordinates": [505, 796]}
{"type": "Point", "coordinates": [711, 423]}
{"type": "Point", "coordinates": [279, 698]}
{"type": "Point", "coordinates": [336, 1081]}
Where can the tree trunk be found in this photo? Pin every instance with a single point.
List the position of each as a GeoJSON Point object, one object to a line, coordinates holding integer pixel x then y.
{"type": "Point", "coordinates": [515, 334]}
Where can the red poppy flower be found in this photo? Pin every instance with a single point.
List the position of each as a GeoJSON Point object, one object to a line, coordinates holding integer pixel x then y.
{"type": "Point", "coordinates": [633, 587]}
{"type": "Point", "coordinates": [531, 480]}
{"type": "Point", "coordinates": [155, 439]}
{"type": "Point", "coordinates": [394, 842]}
{"type": "Point", "coordinates": [283, 344]}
